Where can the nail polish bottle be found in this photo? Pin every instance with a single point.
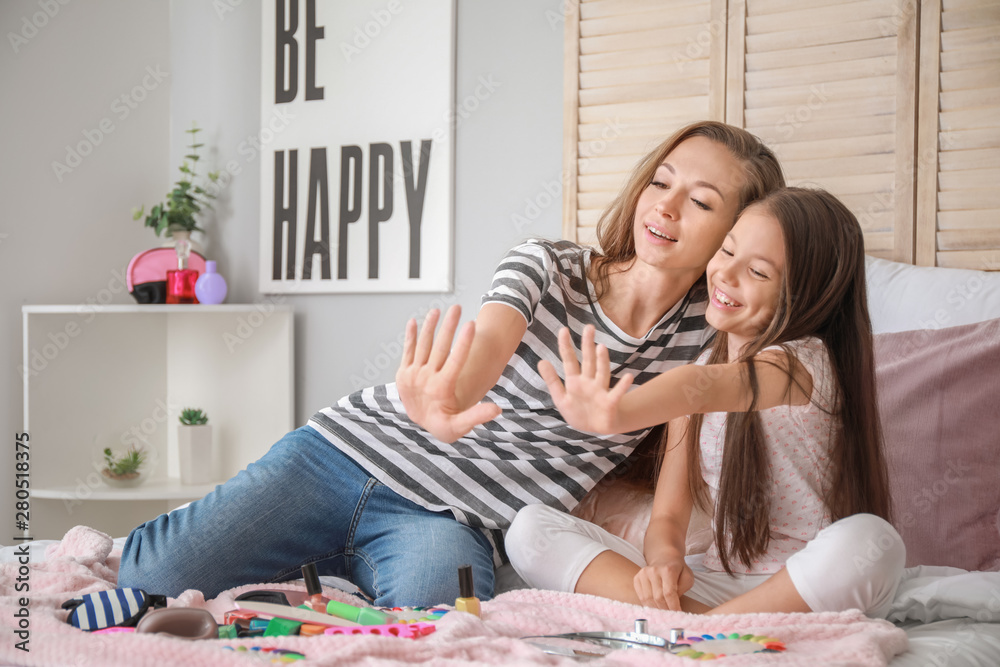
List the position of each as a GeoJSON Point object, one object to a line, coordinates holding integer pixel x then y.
{"type": "Point", "coordinates": [467, 600]}
{"type": "Point", "coordinates": [316, 601]}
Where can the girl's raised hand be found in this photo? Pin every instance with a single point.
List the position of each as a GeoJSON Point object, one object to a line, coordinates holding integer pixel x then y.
{"type": "Point", "coordinates": [586, 401]}
{"type": "Point", "coordinates": [428, 376]}
{"type": "Point", "coordinates": [661, 585]}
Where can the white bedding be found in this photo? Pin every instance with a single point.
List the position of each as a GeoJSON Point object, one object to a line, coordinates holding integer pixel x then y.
{"type": "Point", "coordinates": [951, 617]}
{"type": "Point", "coordinates": [937, 593]}
{"type": "Point", "coordinates": [955, 642]}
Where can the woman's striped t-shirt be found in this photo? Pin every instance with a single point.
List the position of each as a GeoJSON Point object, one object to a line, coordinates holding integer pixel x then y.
{"type": "Point", "coordinates": [528, 454]}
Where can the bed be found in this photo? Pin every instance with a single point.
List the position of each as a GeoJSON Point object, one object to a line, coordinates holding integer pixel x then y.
{"type": "Point", "coordinates": [938, 353]}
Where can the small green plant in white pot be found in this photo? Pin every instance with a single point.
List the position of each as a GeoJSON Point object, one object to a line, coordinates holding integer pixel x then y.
{"type": "Point", "coordinates": [195, 447]}
{"type": "Point", "coordinates": [193, 417]}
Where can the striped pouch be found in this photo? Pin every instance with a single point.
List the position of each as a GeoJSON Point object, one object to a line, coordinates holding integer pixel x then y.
{"type": "Point", "coordinates": [118, 607]}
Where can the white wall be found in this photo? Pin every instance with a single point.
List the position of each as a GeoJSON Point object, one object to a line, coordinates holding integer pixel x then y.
{"type": "Point", "coordinates": [60, 242]}
{"type": "Point", "coordinates": [507, 149]}
{"type": "Point", "coordinates": [66, 238]}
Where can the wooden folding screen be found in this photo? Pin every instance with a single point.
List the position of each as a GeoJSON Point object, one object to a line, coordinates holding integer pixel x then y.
{"type": "Point", "coordinates": [958, 203]}
{"type": "Point", "coordinates": [635, 71]}
{"type": "Point", "coordinates": [830, 87]}
{"type": "Point", "coordinates": [893, 105]}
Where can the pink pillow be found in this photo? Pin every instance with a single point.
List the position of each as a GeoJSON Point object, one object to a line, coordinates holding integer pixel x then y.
{"type": "Point", "coordinates": [939, 399]}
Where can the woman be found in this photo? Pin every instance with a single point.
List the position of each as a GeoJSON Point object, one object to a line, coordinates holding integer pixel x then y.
{"type": "Point", "coordinates": [380, 489]}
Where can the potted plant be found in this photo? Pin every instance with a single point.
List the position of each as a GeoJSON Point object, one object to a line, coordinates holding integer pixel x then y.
{"type": "Point", "coordinates": [127, 469]}
{"type": "Point", "coordinates": [195, 448]}
{"type": "Point", "coordinates": [177, 214]}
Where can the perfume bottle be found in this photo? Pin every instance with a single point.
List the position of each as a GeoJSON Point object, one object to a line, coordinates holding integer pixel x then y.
{"type": "Point", "coordinates": [211, 287]}
{"type": "Point", "coordinates": [181, 282]}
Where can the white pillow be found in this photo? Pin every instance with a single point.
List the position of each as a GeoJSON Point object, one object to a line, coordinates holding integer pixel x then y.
{"type": "Point", "coordinates": [903, 297]}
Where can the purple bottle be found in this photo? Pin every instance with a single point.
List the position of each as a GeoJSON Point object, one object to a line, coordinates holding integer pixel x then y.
{"type": "Point", "coordinates": [211, 287]}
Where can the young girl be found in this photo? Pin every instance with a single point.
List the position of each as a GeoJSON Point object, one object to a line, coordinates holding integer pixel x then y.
{"type": "Point", "coordinates": [387, 489]}
{"type": "Point", "coordinates": [784, 445]}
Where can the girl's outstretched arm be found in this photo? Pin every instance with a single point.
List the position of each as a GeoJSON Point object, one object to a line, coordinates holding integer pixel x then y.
{"type": "Point", "coordinates": [588, 403]}
{"type": "Point", "coordinates": [441, 386]}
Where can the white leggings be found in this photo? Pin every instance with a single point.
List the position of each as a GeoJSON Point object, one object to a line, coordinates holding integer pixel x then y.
{"type": "Point", "coordinates": [854, 563]}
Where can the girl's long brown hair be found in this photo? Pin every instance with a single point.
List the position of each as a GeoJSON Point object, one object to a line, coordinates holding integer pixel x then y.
{"type": "Point", "coordinates": [761, 174]}
{"type": "Point", "coordinates": [822, 294]}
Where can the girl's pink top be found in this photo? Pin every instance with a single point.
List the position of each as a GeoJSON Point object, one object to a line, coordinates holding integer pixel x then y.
{"type": "Point", "coordinates": [799, 438]}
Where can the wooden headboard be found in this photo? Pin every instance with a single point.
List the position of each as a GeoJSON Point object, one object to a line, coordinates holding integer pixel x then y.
{"type": "Point", "coordinates": [892, 105]}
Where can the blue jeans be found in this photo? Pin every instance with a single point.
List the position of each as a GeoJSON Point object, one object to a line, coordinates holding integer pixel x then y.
{"type": "Point", "coordinates": [305, 501]}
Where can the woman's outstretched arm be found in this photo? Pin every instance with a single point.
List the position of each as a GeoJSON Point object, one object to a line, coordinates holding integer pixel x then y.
{"type": "Point", "coordinates": [441, 386]}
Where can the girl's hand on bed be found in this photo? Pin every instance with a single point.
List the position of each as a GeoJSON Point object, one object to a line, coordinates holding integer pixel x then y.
{"type": "Point", "coordinates": [586, 402]}
{"type": "Point", "coordinates": [428, 374]}
{"type": "Point", "coordinates": [661, 585]}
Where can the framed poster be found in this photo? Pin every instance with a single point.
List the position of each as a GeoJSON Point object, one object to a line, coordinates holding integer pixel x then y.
{"type": "Point", "coordinates": [356, 139]}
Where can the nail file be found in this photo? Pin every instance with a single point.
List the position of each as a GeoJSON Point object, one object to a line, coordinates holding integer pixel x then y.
{"type": "Point", "coordinates": [295, 614]}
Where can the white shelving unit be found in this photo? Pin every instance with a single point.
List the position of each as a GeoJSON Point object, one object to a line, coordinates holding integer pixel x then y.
{"type": "Point", "coordinates": [97, 376]}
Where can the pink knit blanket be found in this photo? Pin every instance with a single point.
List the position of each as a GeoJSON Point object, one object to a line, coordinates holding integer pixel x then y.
{"type": "Point", "coordinates": [82, 562]}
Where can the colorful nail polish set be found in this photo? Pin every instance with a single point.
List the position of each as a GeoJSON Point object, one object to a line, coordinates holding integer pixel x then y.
{"type": "Point", "coordinates": [270, 613]}
{"type": "Point", "coordinates": [710, 647]}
